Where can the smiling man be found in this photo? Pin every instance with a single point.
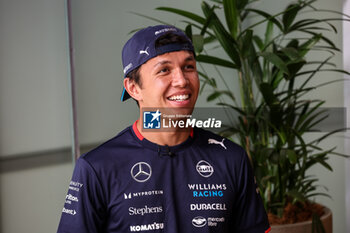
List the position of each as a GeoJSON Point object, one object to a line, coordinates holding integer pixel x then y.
{"type": "Point", "coordinates": [177, 181]}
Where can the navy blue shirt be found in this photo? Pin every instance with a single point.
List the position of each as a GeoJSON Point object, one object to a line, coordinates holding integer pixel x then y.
{"type": "Point", "coordinates": [130, 184]}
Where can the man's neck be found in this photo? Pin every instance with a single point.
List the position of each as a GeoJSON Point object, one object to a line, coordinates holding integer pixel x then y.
{"type": "Point", "coordinates": [172, 138]}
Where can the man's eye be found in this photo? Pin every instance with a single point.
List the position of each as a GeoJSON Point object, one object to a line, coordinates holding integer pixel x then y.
{"type": "Point", "coordinates": [189, 67]}
{"type": "Point", "coordinates": [163, 70]}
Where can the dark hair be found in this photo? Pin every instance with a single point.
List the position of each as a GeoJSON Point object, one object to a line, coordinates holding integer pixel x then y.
{"type": "Point", "coordinates": [168, 38]}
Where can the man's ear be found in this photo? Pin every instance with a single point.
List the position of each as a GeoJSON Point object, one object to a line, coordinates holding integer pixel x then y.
{"type": "Point", "coordinates": [132, 88]}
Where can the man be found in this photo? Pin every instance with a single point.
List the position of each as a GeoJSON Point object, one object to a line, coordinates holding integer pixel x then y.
{"type": "Point", "coordinates": [180, 181]}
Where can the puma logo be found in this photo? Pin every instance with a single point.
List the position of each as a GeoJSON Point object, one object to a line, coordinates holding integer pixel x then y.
{"type": "Point", "coordinates": [213, 141]}
{"type": "Point", "coordinates": [144, 51]}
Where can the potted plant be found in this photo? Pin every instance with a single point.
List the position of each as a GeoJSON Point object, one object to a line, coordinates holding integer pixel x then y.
{"type": "Point", "coordinates": [273, 70]}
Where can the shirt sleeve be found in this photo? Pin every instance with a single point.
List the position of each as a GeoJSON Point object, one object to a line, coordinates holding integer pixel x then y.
{"type": "Point", "coordinates": [84, 208]}
{"type": "Point", "coordinates": [250, 214]}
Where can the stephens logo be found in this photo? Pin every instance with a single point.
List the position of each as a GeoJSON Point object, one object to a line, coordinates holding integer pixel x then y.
{"type": "Point", "coordinates": [141, 172]}
{"type": "Point", "coordinates": [151, 120]}
{"type": "Point", "coordinates": [204, 168]}
{"type": "Point", "coordinates": [145, 210]}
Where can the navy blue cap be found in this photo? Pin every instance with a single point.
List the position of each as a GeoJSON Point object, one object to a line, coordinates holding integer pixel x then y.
{"type": "Point", "coordinates": [141, 47]}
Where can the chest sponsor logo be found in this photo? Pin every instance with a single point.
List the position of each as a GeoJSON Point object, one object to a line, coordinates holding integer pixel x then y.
{"type": "Point", "coordinates": [204, 168]}
{"type": "Point", "coordinates": [145, 210]}
{"type": "Point", "coordinates": [141, 172]}
{"type": "Point", "coordinates": [208, 206]}
{"type": "Point", "coordinates": [207, 190]}
{"type": "Point", "coordinates": [211, 221]}
{"type": "Point", "coordinates": [142, 194]}
{"type": "Point", "coordinates": [199, 221]}
{"type": "Point", "coordinates": [147, 227]}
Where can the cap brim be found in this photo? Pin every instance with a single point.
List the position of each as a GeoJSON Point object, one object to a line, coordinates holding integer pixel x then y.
{"type": "Point", "coordinates": [125, 95]}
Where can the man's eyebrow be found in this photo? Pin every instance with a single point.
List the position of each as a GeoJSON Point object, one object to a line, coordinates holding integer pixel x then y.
{"type": "Point", "coordinates": [162, 63]}
{"type": "Point", "coordinates": [190, 58]}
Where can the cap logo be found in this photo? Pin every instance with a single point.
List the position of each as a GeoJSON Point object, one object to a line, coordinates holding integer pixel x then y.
{"type": "Point", "coordinates": [165, 30]}
{"type": "Point", "coordinates": [144, 51]}
{"type": "Point", "coordinates": [128, 67]}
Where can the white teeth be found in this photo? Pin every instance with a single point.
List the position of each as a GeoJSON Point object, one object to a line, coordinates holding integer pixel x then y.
{"type": "Point", "coordinates": [179, 97]}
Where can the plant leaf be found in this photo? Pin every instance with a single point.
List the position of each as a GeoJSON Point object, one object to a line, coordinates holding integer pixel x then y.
{"type": "Point", "coordinates": [276, 60]}
{"type": "Point", "coordinates": [215, 61]}
{"type": "Point", "coordinates": [289, 15]}
{"type": "Point", "coordinates": [267, 16]}
{"type": "Point", "coordinates": [267, 92]}
{"type": "Point", "coordinates": [183, 13]}
{"type": "Point", "coordinates": [225, 39]}
{"type": "Point", "coordinates": [198, 43]}
{"type": "Point", "coordinates": [232, 16]}
{"type": "Point", "coordinates": [292, 156]}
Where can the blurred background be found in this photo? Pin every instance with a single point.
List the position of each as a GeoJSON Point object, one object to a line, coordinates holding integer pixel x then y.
{"type": "Point", "coordinates": [36, 123]}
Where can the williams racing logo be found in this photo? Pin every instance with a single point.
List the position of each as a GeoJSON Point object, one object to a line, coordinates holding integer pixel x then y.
{"type": "Point", "coordinates": [207, 190]}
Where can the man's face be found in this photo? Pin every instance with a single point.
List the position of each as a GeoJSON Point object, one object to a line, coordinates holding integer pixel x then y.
{"type": "Point", "coordinates": [169, 80]}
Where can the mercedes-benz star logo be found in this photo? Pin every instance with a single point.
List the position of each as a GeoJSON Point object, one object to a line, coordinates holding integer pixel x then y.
{"type": "Point", "coordinates": [141, 172]}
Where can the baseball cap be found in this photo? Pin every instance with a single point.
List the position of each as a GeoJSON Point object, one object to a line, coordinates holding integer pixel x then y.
{"type": "Point", "coordinates": [141, 47]}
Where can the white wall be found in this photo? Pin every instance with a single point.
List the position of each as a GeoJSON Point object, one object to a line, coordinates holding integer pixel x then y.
{"type": "Point", "coordinates": [346, 62]}
{"type": "Point", "coordinates": [34, 96]}
{"type": "Point", "coordinates": [34, 115]}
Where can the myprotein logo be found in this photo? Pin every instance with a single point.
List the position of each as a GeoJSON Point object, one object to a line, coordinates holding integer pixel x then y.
{"type": "Point", "coordinates": [145, 210]}
{"type": "Point", "coordinates": [147, 227]}
{"type": "Point", "coordinates": [141, 172]}
{"type": "Point", "coordinates": [142, 194]}
{"type": "Point", "coordinates": [204, 168]}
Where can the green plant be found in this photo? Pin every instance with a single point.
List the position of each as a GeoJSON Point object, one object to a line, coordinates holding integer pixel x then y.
{"type": "Point", "coordinates": [274, 71]}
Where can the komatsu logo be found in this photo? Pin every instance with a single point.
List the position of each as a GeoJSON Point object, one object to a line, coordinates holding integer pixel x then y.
{"type": "Point", "coordinates": [147, 227]}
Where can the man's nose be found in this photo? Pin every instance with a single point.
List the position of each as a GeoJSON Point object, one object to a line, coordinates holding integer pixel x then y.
{"type": "Point", "coordinates": [179, 78]}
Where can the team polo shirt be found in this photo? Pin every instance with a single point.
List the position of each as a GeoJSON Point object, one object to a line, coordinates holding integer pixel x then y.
{"type": "Point", "coordinates": [130, 184]}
